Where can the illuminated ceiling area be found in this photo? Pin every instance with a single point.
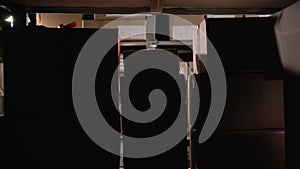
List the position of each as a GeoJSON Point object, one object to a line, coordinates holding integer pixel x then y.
{"type": "Point", "coordinates": [53, 10]}
{"type": "Point", "coordinates": [167, 6]}
{"type": "Point", "coordinates": [164, 3]}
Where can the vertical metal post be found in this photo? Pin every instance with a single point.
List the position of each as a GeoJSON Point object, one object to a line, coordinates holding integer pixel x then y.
{"type": "Point", "coordinates": [150, 31]}
{"type": "Point", "coordinates": [189, 128]}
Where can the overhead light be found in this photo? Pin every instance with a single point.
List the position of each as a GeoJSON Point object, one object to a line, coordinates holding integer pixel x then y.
{"type": "Point", "coordinates": [10, 19]}
{"type": "Point", "coordinates": [264, 15]}
{"type": "Point", "coordinates": [220, 16]}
